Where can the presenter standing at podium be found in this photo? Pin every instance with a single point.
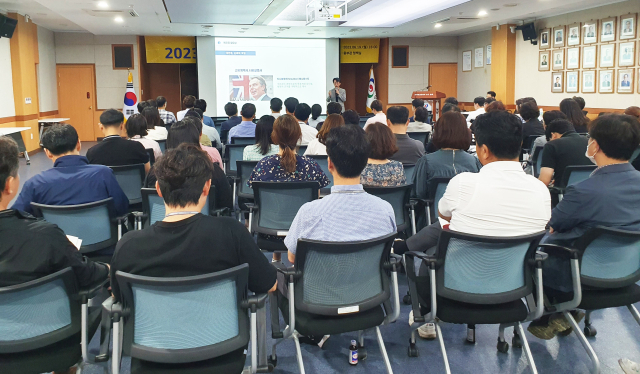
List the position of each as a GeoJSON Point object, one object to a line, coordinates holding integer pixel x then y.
{"type": "Point", "coordinates": [337, 95]}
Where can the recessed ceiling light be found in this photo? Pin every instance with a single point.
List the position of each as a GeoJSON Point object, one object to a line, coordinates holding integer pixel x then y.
{"type": "Point", "coordinates": [438, 25]}
{"type": "Point", "coordinates": [102, 4]}
{"type": "Point", "coordinates": [482, 13]}
{"type": "Point", "coordinates": [119, 19]}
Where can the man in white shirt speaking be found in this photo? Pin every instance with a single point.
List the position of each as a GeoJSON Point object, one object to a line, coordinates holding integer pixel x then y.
{"type": "Point", "coordinates": [478, 105]}
{"type": "Point", "coordinates": [378, 115]}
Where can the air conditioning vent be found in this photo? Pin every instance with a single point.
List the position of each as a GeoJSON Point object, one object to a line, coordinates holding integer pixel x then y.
{"type": "Point", "coordinates": [133, 13]}
{"type": "Point", "coordinates": [108, 13]}
{"type": "Point", "coordinates": [451, 20]}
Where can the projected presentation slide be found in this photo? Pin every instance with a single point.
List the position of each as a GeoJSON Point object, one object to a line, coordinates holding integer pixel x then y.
{"type": "Point", "coordinates": [257, 70]}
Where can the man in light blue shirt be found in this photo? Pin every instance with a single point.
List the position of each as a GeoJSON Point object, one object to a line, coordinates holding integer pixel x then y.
{"type": "Point", "coordinates": [246, 128]}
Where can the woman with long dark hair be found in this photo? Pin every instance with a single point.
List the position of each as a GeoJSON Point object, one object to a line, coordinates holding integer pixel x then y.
{"type": "Point", "coordinates": [155, 125]}
{"type": "Point", "coordinates": [264, 145]}
{"type": "Point", "coordinates": [137, 131]}
{"type": "Point", "coordinates": [574, 114]}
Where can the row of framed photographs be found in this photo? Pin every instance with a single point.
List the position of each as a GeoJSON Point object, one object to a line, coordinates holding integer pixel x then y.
{"type": "Point", "coordinates": [585, 81]}
{"type": "Point", "coordinates": [587, 33]}
{"type": "Point", "coordinates": [587, 57]}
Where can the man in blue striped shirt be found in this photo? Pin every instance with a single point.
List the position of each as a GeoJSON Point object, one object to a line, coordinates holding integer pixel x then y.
{"type": "Point", "coordinates": [246, 128]}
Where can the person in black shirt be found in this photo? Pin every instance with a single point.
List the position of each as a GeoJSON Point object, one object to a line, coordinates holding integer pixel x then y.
{"type": "Point", "coordinates": [532, 125]}
{"type": "Point", "coordinates": [114, 150]}
{"type": "Point", "coordinates": [565, 148]}
{"type": "Point", "coordinates": [187, 243]}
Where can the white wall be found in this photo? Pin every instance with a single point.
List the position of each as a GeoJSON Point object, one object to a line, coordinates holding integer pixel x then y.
{"type": "Point", "coordinates": [7, 106]}
{"type": "Point", "coordinates": [531, 82]}
{"type": "Point", "coordinates": [476, 82]}
{"type": "Point", "coordinates": [422, 52]}
{"type": "Point", "coordinates": [47, 82]}
{"type": "Point", "coordinates": [85, 48]}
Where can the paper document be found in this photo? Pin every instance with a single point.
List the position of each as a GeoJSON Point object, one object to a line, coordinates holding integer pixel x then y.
{"type": "Point", "coordinates": [77, 242]}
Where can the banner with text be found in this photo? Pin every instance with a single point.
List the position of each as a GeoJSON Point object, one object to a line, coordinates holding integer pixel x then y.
{"type": "Point", "coordinates": [355, 51]}
{"type": "Point", "coordinates": [170, 49]}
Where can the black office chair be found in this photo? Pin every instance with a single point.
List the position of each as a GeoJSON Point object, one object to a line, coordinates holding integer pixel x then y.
{"type": "Point", "coordinates": [422, 137]}
{"type": "Point", "coordinates": [301, 149]}
{"type": "Point", "coordinates": [153, 208]}
{"type": "Point", "coordinates": [243, 140]}
{"type": "Point", "coordinates": [234, 154]}
{"type": "Point", "coordinates": [163, 145]}
{"type": "Point", "coordinates": [276, 205]}
{"type": "Point", "coordinates": [408, 172]}
{"type": "Point", "coordinates": [403, 209]}
{"type": "Point", "coordinates": [437, 188]}
{"type": "Point", "coordinates": [131, 180]}
{"type": "Point", "coordinates": [478, 280]}
{"type": "Point", "coordinates": [245, 193]}
{"type": "Point", "coordinates": [323, 162]}
{"type": "Point", "coordinates": [338, 287]}
{"type": "Point", "coordinates": [527, 143]}
{"type": "Point", "coordinates": [536, 161]}
{"type": "Point", "coordinates": [572, 175]}
{"type": "Point", "coordinates": [152, 156]}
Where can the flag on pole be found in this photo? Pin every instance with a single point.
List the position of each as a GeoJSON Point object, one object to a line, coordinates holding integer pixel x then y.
{"type": "Point", "coordinates": [130, 99]}
{"type": "Point", "coordinates": [371, 93]}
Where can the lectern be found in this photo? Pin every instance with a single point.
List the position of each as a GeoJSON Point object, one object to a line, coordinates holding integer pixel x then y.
{"type": "Point", "coordinates": [434, 97]}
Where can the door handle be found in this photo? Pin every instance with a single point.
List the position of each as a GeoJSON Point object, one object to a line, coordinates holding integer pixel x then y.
{"type": "Point", "coordinates": [90, 108]}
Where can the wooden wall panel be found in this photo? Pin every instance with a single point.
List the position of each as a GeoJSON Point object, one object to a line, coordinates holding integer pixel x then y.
{"type": "Point", "coordinates": [503, 63]}
{"type": "Point", "coordinates": [164, 80]}
{"type": "Point", "coordinates": [143, 73]}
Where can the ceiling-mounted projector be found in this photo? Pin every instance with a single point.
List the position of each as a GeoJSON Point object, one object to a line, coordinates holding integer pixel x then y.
{"type": "Point", "coordinates": [326, 12]}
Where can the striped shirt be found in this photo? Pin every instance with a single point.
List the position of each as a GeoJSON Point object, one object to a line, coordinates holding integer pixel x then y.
{"type": "Point", "coordinates": [167, 117]}
{"type": "Point", "coordinates": [347, 214]}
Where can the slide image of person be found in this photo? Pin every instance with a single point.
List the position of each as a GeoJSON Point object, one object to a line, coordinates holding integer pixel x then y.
{"type": "Point", "coordinates": [573, 59]}
{"type": "Point", "coordinates": [589, 60]}
{"type": "Point", "coordinates": [258, 89]}
{"type": "Point", "coordinates": [250, 87]}
{"type": "Point", "coordinates": [557, 83]}
{"type": "Point", "coordinates": [625, 81]}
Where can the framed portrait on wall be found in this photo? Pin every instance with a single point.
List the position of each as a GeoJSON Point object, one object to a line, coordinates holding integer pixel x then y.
{"type": "Point", "coordinates": [544, 39]}
{"type": "Point", "coordinates": [488, 55]}
{"type": "Point", "coordinates": [590, 32]}
{"type": "Point", "coordinates": [573, 82]}
{"type": "Point", "coordinates": [543, 61]}
{"type": "Point", "coordinates": [625, 81]}
{"type": "Point", "coordinates": [573, 34]}
{"type": "Point", "coordinates": [608, 30]}
{"type": "Point", "coordinates": [558, 37]}
{"type": "Point", "coordinates": [627, 54]}
{"type": "Point", "coordinates": [589, 57]}
{"type": "Point", "coordinates": [573, 59]}
{"type": "Point", "coordinates": [628, 26]}
{"type": "Point", "coordinates": [557, 56]}
{"type": "Point", "coordinates": [478, 62]}
{"type": "Point", "coordinates": [605, 81]}
{"type": "Point", "coordinates": [466, 61]}
{"type": "Point", "coordinates": [557, 84]}
{"type": "Point", "coordinates": [607, 55]}
{"type": "Point", "coordinates": [589, 81]}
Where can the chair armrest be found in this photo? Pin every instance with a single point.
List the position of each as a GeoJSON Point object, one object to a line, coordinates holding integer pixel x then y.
{"type": "Point", "coordinates": [255, 302]}
{"type": "Point", "coordinates": [220, 212]}
{"type": "Point", "coordinates": [431, 260]}
{"type": "Point", "coordinates": [540, 258]}
{"type": "Point", "coordinates": [89, 292]}
{"type": "Point", "coordinates": [287, 272]}
{"type": "Point", "coordinates": [393, 262]}
{"type": "Point", "coordinates": [560, 251]}
{"type": "Point", "coordinates": [251, 206]}
{"type": "Point", "coordinates": [556, 190]}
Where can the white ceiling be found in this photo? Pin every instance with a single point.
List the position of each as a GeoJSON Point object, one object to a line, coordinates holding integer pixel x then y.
{"type": "Point", "coordinates": [76, 15]}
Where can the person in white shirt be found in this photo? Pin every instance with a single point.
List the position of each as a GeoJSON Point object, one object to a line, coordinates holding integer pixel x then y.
{"type": "Point", "coordinates": [155, 125]}
{"type": "Point", "coordinates": [302, 113]}
{"type": "Point", "coordinates": [316, 146]}
{"type": "Point", "coordinates": [276, 107]}
{"type": "Point", "coordinates": [189, 102]}
{"type": "Point", "coordinates": [378, 115]}
{"type": "Point", "coordinates": [478, 105]}
{"type": "Point", "coordinates": [420, 125]}
{"type": "Point", "coordinates": [316, 111]}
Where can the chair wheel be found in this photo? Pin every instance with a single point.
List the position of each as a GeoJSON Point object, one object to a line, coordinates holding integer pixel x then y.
{"type": "Point", "coordinates": [362, 353]}
{"type": "Point", "coordinates": [590, 331]}
{"type": "Point", "coordinates": [516, 342]}
{"type": "Point", "coordinates": [406, 299]}
{"type": "Point", "coordinates": [503, 347]}
{"type": "Point", "coordinates": [272, 362]}
{"type": "Point", "coordinates": [412, 351]}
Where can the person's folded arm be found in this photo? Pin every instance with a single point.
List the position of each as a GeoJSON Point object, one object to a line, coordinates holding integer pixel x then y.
{"type": "Point", "coordinates": [546, 175]}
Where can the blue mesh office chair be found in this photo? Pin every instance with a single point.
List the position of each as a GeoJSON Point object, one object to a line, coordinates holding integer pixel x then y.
{"type": "Point", "coordinates": [324, 165]}
{"type": "Point", "coordinates": [184, 320]}
{"type": "Point", "coordinates": [527, 143]}
{"type": "Point", "coordinates": [477, 280]}
{"type": "Point", "coordinates": [536, 161]}
{"type": "Point", "coordinates": [243, 140]}
{"type": "Point", "coordinates": [45, 324]}
{"type": "Point", "coordinates": [153, 208]}
{"type": "Point", "coordinates": [572, 175]}
{"type": "Point", "coordinates": [607, 262]}
{"type": "Point", "coordinates": [163, 145]}
{"type": "Point", "coordinates": [363, 121]}
{"type": "Point", "coordinates": [245, 193]}
{"type": "Point", "coordinates": [276, 205]}
{"type": "Point", "coordinates": [95, 223]}
{"type": "Point", "coordinates": [323, 298]}
{"type": "Point", "coordinates": [234, 153]}
{"type": "Point", "coordinates": [301, 149]}
{"type": "Point", "coordinates": [635, 154]}
{"type": "Point", "coordinates": [398, 197]}
{"type": "Point", "coordinates": [408, 172]}
{"type": "Point", "coordinates": [152, 156]}
{"type": "Point", "coordinates": [422, 137]}
{"type": "Point", "coordinates": [437, 188]}
{"type": "Point", "coordinates": [131, 180]}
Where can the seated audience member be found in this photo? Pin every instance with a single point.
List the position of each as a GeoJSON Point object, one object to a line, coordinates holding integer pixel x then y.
{"type": "Point", "coordinates": [167, 117]}
{"type": "Point", "coordinates": [276, 107]}
{"type": "Point", "coordinates": [231, 109]}
{"type": "Point", "coordinates": [302, 113]}
{"type": "Point", "coordinates": [452, 138]}
{"type": "Point", "coordinates": [491, 94]}
{"type": "Point", "coordinates": [541, 140]}
{"type": "Point", "coordinates": [420, 124]}
{"type": "Point", "coordinates": [494, 106]}
{"type": "Point", "coordinates": [409, 150]}
{"type": "Point", "coordinates": [186, 132]}
{"type": "Point", "coordinates": [189, 102]}
{"type": "Point", "coordinates": [633, 111]}
{"type": "Point", "coordinates": [264, 145]}
{"type": "Point", "coordinates": [450, 108]}
{"type": "Point", "coordinates": [451, 100]}
{"type": "Point", "coordinates": [141, 105]}
{"type": "Point", "coordinates": [380, 171]}
{"type": "Point", "coordinates": [152, 103]}
{"type": "Point", "coordinates": [610, 197]}
{"type": "Point", "coordinates": [488, 101]}
{"type": "Point", "coordinates": [210, 136]}
{"type": "Point", "coordinates": [431, 147]}
{"type": "Point", "coordinates": [196, 114]}
{"type": "Point", "coordinates": [246, 128]}
{"type": "Point", "coordinates": [415, 104]}
{"type": "Point", "coordinates": [316, 111]}
{"type": "Point", "coordinates": [317, 145]}
{"type": "Point", "coordinates": [211, 151]}
{"type": "Point", "coordinates": [72, 180]}
{"type": "Point", "coordinates": [571, 109]}
{"type": "Point", "coordinates": [332, 108]}
{"type": "Point", "coordinates": [581, 104]}
{"type": "Point", "coordinates": [202, 105]}
{"type": "Point", "coordinates": [290, 105]}
{"type": "Point", "coordinates": [181, 244]}
{"type": "Point", "coordinates": [478, 105]}
{"type": "Point", "coordinates": [155, 127]}
{"type": "Point", "coordinates": [564, 148]}
{"type": "Point", "coordinates": [378, 115]}
{"type": "Point", "coordinates": [114, 150]}
{"type": "Point", "coordinates": [137, 130]}
{"type": "Point", "coordinates": [351, 117]}
{"type": "Point", "coordinates": [532, 126]}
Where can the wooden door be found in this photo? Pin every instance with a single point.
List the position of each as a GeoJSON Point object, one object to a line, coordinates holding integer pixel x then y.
{"type": "Point", "coordinates": [444, 78]}
{"type": "Point", "coordinates": [76, 98]}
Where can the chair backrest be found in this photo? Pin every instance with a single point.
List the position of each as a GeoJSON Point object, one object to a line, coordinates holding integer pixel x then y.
{"type": "Point", "coordinates": [163, 145]}
{"type": "Point", "coordinates": [437, 188]}
{"type": "Point", "coordinates": [536, 160]}
{"type": "Point", "coordinates": [39, 313]}
{"type": "Point", "coordinates": [635, 154]}
{"type": "Point", "coordinates": [154, 210]}
{"type": "Point", "coordinates": [485, 270]}
{"type": "Point", "coordinates": [419, 136]}
{"type": "Point", "coordinates": [363, 121]}
{"type": "Point", "coordinates": [398, 197]}
{"type": "Point", "coordinates": [94, 223]}
{"type": "Point", "coordinates": [324, 165]}
{"type": "Point", "coordinates": [243, 140]}
{"type": "Point", "coordinates": [576, 174]}
{"type": "Point", "coordinates": [152, 156]}
{"type": "Point", "coordinates": [342, 277]}
{"type": "Point", "coordinates": [610, 257]}
{"type": "Point", "coordinates": [408, 172]}
{"type": "Point", "coordinates": [224, 135]}
{"type": "Point", "coordinates": [301, 149]}
{"type": "Point", "coordinates": [244, 169]}
{"type": "Point", "coordinates": [131, 180]}
{"type": "Point", "coordinates": [528, 141]}
{"type": "Point", "coordinates": [235, 152]}
{"type": "Point", "coordinates": [279, 202]}
{"type": "Point", "coordinates": [185, 319]}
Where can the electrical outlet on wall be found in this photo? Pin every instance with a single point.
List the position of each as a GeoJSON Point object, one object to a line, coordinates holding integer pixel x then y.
{"type": "Point", "coordinates": [27, 100]}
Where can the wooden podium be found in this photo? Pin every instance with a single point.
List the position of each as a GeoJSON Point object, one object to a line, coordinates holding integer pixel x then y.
{"type": "Point", "coordinates": [434, 97]}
